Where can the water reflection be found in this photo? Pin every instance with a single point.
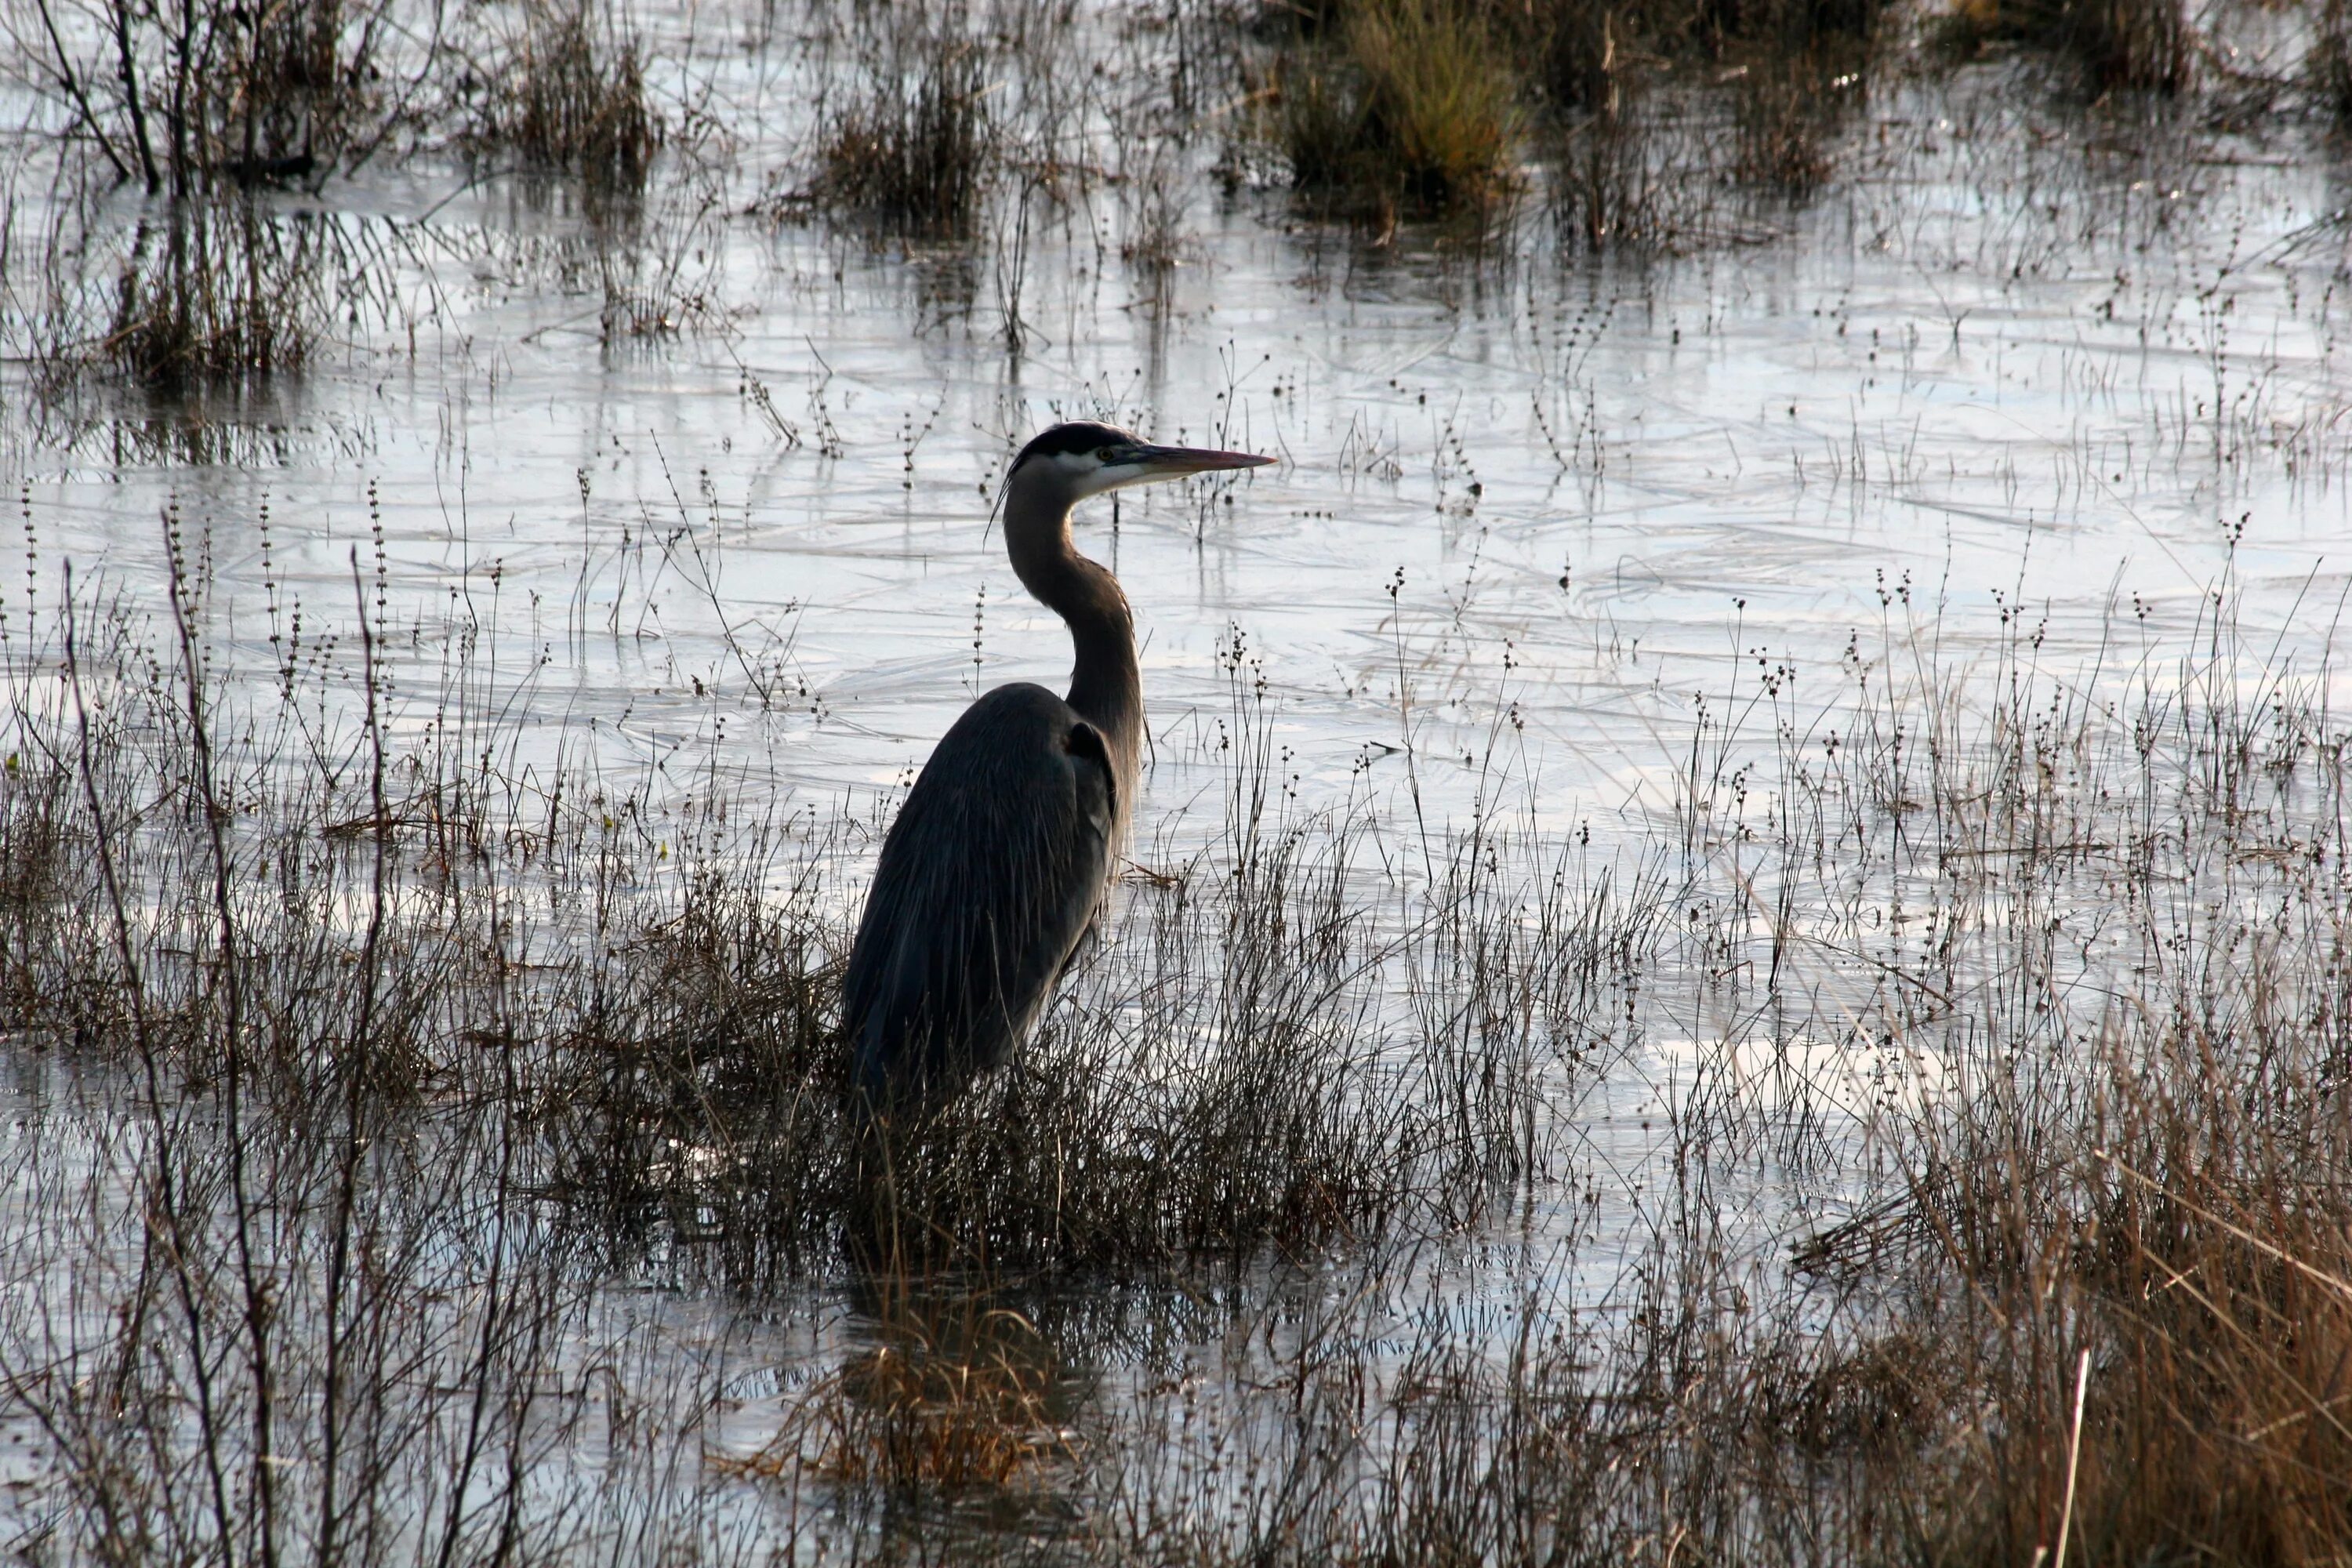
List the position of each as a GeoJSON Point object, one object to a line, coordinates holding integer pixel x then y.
{"type": "Point", "coordinates": [958, 1387]}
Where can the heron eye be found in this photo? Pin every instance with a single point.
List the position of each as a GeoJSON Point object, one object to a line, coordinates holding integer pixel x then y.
{"type": "Point", "coordinates": [1107, 455]}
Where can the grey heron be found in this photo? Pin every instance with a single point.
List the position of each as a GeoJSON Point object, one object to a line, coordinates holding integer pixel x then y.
{"type": "Point", "coordinates": [998, 863]}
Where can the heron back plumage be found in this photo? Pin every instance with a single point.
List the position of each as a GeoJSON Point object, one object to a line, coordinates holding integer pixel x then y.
{"type": "Point", "coordinates": [987, 882]}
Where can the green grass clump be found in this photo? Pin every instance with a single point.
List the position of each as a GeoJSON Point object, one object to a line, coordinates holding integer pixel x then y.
{"type": "Point", "coordinates": [1408, 105]}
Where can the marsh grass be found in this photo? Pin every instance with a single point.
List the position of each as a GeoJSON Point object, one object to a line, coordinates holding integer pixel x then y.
{"type": "Point", "coordinates": [566, 90]}
{"type": "Point", "coordinates": [216, 291]}
{"type": "Point", "coordinates": [2130, 45]}
{"type": "Point", "coordinates": [2328, 67]}
{"type": "Point", "coordinates": [2091, 1290]}
{"type": "Point", "coordinates": [2133, 1187]}
{"type": "Point", "coordinates": [223, 279]}
{"type": "Point", "coordinates": [1582, 58]}
{"type": "Point", "coordinates": [1407, 106]}
{"type": "Point", "coordinates": [1602, 188]}
{"type": "Point", "coordinates": [183, 98]}
{"type": "Point", "coordinates": [1438, 100]}
{"type": "Point", "coordinates": [367, 1071]}
{"type": "Point", "coordinates": [212, 293]}
{"type": "Point", "coordinates": [353, 1075]}
{"type": "Point", "coordinates": [1621, 76]}
{"type": "Point", "coordinates": [961, 1396]}
{"type": "Point", "coordinates": [1787, 111]}
{"type": "Point", "coordinates": [1235, 1078]}
{"type": "Point", "coordinates": [917, 148]}
{"type": "Point", "coordinates": [1380, 108]}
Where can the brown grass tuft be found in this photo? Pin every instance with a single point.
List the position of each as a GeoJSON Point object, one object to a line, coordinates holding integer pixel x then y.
{"type": "Point", "coordinates": [569, 92]}
{"type": "Point", "coordinates": [1412, 108]}
{"type": "Point", "coordinates": [191, 97]}
{"type": "Point", "coordinates": [918, 149]}
{"type": "Point", "coordinates": [959, 1395]}
{"type": "Point", "coordinates": [1784, 112]}
{"type": "Point", "coordinates": [213, 291]}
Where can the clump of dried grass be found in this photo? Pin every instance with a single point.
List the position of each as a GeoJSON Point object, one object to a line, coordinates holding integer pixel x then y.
{"type": "Point", "coordinates": [918, 148]}
{"type": "Point", "coordinates": [36, 852]}
{"type": "Point", "coordinates": [567, 90]}
{"type": "Point", "coordinates": [1382, 108]}
{"type": "Point", "coordinates": [1411, 106]}
{"type": "Point", "coordinates": [2183, 1268]}
{"type": "Point", "coordinates": [1604, 188]}
{"type": "Point", "coordinates": [2128, 1194]}
{"type": "Point", "coordinates": [1582, 55]}
{"type": "Point", "coordinates": [1590, 55]}
{"type": "Point", "coordinates": [1785, 111]}
{"type": "Point", "coordinates": [214, 292]}
{"type": "Point", "coordinates": [1438, 99]}
{"type": "Point", "coordinates": [191, 97]}
{"type": "Point", "coordinates": [2094, 1296]}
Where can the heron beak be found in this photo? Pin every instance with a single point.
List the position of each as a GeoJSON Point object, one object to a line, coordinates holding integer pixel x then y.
{"type": "Point", "coordinates": [1175, 462]}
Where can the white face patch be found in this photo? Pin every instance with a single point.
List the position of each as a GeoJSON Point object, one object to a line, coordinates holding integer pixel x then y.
{"type": "Point", "coordinates": [1088, 475]}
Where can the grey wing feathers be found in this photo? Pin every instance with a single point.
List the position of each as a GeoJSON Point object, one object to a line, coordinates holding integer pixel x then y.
{"type": "Point", "coordinates": [986, 882]}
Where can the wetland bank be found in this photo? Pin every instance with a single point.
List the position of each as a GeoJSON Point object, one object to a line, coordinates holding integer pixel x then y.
{"type": "Point", "coordinates": [1737, 941]}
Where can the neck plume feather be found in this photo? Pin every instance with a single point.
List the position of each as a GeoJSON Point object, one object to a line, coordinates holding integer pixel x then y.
{"type": "Point", "coordinates": [1106, 683]}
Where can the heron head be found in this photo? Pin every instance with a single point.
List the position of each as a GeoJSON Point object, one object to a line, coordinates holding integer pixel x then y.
{"type": "Point", "coordinates": [1083, 459]}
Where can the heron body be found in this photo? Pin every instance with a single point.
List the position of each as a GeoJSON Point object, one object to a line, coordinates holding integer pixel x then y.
{"type": "Point", "coordinates": [997, 865]}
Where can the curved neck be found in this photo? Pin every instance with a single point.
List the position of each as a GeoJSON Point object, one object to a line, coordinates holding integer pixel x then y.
{"type": "Point", "coordinates": [1106, 683]}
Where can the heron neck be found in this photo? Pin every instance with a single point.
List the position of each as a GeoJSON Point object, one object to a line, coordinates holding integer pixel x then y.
{"type": "Point", "coordinates": [1105, 682]}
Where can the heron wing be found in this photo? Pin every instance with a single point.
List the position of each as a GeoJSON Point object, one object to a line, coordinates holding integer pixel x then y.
{"type": "Point", "coordinates": [987, 881]}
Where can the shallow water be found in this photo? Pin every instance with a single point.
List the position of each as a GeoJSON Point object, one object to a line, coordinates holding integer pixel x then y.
{"type": "Point", "coordinates": [1533, 511]}
{"type": "Point", "coordinates": [1999, 368]}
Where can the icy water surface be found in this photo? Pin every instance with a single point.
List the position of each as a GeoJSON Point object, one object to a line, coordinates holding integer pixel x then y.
{"type": "Point", "coordinates": [2021, 357]}
{"type": "Point", "coordinates": [1534, 513]}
